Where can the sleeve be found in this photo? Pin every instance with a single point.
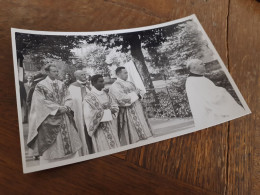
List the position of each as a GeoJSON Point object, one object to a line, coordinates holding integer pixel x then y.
{"type": "Point", "coordinates": [141, 93]}
{"type": "Point", "coordinates": [121, 98]}
{"type": "Point", "coordinates": [133, 97]}
{"type": "Point", "coordinates": [219, 99]}
{"type": "Point", "coordinates": [114, 108]}
{"type": "Point", "coordinates": [212, 93]}
{"type": "Point", "coordinates": [40, 99]}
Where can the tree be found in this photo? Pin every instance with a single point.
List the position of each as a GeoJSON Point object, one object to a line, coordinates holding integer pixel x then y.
{"type": "Point", "coordinates": [40, 47]}
{"type": "Point", "coordinates": [187, 43]}
{"type": "Point", "coordinates": [133, 42]}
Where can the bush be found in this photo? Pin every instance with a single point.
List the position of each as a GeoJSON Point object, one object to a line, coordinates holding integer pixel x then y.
{"type": "Point", "coordinates": [173, 101]}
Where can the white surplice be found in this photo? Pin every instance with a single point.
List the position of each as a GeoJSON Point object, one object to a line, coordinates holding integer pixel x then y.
{"type": "Point", "coordinates": [75, 90]}
{"type": "Point", "coordinates": [209, 103]}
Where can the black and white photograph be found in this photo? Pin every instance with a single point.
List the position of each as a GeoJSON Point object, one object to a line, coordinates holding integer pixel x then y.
{"type": "Point", "coordinates": [83, 95]}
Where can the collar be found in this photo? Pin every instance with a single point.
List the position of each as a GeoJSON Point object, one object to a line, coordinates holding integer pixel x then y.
{"type": "Point", "coordinates": [121, 80]}
{"type": "Point", "coordinates": [93, 89]}
{"type": "Point", "coordinates": [195, 75]}
{"type": "Point", "coordinates": [51, 81]}
{"type": "Point", "coordinates": [82, 83]}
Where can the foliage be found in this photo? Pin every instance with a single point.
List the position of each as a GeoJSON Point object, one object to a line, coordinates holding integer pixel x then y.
{"type": "Point", "coordinates": [173, 101]}
{"type": "Point", "coordinates": [40, 47]}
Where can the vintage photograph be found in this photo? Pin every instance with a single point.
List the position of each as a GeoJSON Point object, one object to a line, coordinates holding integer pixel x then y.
{"type": "Point", "coordinates": [82, 95]}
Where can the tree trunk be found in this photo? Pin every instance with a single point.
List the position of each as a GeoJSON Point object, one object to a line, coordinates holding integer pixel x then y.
{"type": "Point", "coordinates": [138, 58]}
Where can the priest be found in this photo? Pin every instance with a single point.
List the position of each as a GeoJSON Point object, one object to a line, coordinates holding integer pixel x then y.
{"type": "Point", "coordinates": [78, 90]}
{"type": "Point", "coordinates": [132, 123]}
{"type": "Point", "coordinates": [210, 104]}
{"type": "Point", "coordinates": [100, 113]}
{"type": "Point", "coordinates": [52, 131]}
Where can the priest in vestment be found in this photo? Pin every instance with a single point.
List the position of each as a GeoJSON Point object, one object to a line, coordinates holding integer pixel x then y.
{"type": "Point", "coordinates": [78, 91]}
{"type": "Point", "coordinates": [133, 125]}
{"type": "Point", "coordinates": [100, 113]}
{"type": "Point", "coordinates": [209, 103]}
{"type": "Point", "coordinates": [52, 131]}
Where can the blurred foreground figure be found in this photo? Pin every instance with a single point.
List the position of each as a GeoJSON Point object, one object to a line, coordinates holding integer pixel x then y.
{"type": "Point", "coordinates": [209, 103]}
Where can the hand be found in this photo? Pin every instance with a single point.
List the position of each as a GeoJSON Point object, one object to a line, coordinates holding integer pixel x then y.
{"type": "Point", "coordinates": [137, 91]}
{"type": "Point", "coordinates": [113, 110]}
{"type": "Point", "coordinates": [68, 108]}
{"type": "Point", "coordinates": [106, 90]}
{"type": "Point", "coordinates": [62, 109]}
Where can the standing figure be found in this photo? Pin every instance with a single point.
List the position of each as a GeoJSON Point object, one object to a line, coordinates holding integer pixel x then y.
{"type": "Point", "coordinates": [52, 130]}
{"type": "Point", "coordinates": [28, 84]}
{"type": "Point", "coordinates": [132, 123]}
{"type": "Point", "coordinates": [209, 103]}
{"type": "Point", "coordinates": [27, 87]}
{"type": "Point", "coordinates": [100, 112]}
{"type": "Point", "coordinates": [78, 90]}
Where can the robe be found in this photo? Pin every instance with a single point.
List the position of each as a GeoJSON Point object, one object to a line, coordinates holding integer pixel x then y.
{"type": "Point", "coordinates": [27, 87]}
{"type": "Point", "coordinates": [78, 92]}
{"type": "Point", "coordinates": [209, 103]}
{"type": "Point", "coordinates": [103, 133]}
{"type": "Point", "coordinates": [133, 125]}
{"type": "Point", "coordinates": [52, 135]}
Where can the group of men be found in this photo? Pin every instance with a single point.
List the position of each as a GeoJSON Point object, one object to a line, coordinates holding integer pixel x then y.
{"type": "Point", "coordinates": [67, 122]}
{"type": "Point", "coordinates": [82, 118]}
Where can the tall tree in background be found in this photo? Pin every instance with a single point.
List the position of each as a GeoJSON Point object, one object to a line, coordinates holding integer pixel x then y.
{"type": "Point", "coordinates": [134, 42]}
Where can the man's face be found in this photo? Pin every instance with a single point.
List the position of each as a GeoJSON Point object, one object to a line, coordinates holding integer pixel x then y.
{"type": "Point", "coordinates": [53, 73]}
{"type": "Point", "coordinates": [82, 76]}
{"type": "Point", "coordinates": [123, 74]}
{"type": "Point", "coordinates": [99, 85]}
{"type": "Point", "coordinates": [29, 79]}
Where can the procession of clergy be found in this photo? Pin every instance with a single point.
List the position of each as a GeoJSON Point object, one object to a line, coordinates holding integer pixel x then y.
{"type": "Point", "coordinates": [68, 122]}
